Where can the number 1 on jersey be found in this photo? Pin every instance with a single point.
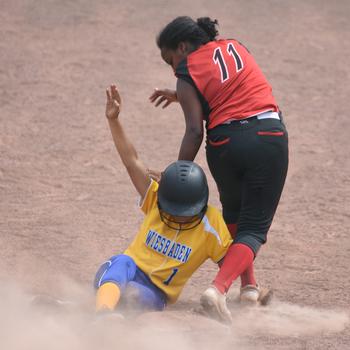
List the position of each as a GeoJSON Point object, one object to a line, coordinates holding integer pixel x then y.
{"type": "Point", "coordinates": [168, 280]}
{"type": "Point", "coordinates": [233, 52]}
{"type": "Point", "coordinates": [218, 58]}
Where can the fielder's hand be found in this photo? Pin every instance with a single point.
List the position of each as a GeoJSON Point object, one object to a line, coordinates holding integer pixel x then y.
{"type": "Point", "coordinates": [159, 96]}
{"type": "Point", "coordinates": [113, 103]}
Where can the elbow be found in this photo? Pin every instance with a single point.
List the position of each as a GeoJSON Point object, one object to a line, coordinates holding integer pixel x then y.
{"type": "Point", "coordinates": [196, 134]}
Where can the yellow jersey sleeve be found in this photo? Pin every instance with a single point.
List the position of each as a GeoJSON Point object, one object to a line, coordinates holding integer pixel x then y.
{"type": "Point", "coordinates": [150, 199]}
{"type": "Point", "coordinates": [218, 235]}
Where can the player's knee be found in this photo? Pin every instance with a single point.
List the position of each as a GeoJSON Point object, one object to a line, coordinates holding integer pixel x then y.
{"type": "Point", "coordinates": [144, 298]}
{"type": "Point", "coordinates": [120, 269]}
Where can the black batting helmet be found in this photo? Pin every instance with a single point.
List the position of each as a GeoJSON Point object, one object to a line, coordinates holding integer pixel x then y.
{"type": "Point", "coordinates": [183, 190]}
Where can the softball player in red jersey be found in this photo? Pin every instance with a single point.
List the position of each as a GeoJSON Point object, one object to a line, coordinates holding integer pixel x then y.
{"type": "Point", "coordinates": [219, 82]}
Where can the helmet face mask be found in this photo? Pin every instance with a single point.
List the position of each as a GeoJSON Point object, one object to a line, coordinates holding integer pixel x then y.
{"type": "Point", "coordinates": [183, 195]}
{"type": "Point", "coordinates": [181, 223]}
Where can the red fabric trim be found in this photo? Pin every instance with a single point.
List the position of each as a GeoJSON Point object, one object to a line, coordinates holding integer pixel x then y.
{"type": "Point", "coordinates": [270, 133]}
{"type": "Point", "coordinates": [238, 258]}
{"type": "Point", "coordinates": [219, 143]}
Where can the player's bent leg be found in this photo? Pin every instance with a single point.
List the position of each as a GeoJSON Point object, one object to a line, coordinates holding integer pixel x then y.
{"type": "Point", "coordinates": [111, 280]}
{"type": "Point", "coordinates": [107, 297]}
{"type": "Point", "coordinates": [142, 298]}
{"type": "Point", "coordinates": [143, 294]}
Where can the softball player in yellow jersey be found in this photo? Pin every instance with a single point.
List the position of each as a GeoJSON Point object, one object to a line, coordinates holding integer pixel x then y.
{"type": "Point", "coordinates": [179, 232]}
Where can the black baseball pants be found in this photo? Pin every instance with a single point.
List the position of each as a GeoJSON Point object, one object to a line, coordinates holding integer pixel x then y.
{"type": "Point", "coordinates": [249, 160]}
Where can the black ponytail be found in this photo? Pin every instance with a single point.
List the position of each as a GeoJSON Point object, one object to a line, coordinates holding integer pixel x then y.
{"type": "Point", "coordinates": [209, 26]}
{"type": "Point", "coordinates": [184, 28]}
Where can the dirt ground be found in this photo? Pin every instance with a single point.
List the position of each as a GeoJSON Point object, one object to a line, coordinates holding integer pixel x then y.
{"type": "Point", "coordinates": [67, 203]}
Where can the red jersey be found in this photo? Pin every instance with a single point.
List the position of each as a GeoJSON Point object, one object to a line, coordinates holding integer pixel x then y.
{"type": "Point", "coordinates": [229, 83]}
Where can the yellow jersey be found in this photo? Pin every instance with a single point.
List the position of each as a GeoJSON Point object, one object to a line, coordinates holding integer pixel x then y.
{"type": "Point", "coordinates": [169, 256]}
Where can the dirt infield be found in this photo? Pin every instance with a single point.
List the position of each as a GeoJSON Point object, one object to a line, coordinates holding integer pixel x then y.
{"type": "Point", "coordinates": [67, 203]}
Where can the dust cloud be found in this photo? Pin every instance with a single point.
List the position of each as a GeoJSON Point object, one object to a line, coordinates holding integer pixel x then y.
{"type": "Point", "coordinates": [28, 322]}
{"type": "Point", "coordinates": [289, 320]}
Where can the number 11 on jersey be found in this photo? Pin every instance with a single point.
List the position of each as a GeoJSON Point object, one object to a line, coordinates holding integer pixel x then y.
{"type": "Point", "coordinates": [219, 59]}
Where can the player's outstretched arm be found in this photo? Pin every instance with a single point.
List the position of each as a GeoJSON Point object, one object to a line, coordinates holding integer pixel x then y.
{"type": "Point", "coordinates": [136, 169]}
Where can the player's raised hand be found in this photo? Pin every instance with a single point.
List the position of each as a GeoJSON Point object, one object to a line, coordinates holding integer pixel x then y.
{"type": "Point", "coordinates": [154, 174]}
{"type": "Point", "coordinates": [113, 103]}
{"type": "Point", "coordinates": [161, 95]}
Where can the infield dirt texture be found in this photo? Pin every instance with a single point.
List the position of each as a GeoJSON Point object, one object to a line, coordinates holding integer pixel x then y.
{"type": "Point", "coordinates": [66, 202]}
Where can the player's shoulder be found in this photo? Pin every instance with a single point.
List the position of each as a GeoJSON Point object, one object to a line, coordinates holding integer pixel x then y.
{"type": "Point", "coordinates": [237, 44]}
{"type": "Point", "coordinates": [150, 198]}
{"type": "Point", "coordinates": [214, 225]}
{"type": "Point", "coordinates": [213, 212]}
{"type": "Point", "coordinates": [212, 218]}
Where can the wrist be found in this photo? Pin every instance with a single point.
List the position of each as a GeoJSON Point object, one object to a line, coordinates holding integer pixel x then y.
{"type": "Point", "coordinates": [113, 120]}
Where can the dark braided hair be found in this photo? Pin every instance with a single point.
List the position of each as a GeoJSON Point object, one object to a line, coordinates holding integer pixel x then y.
{"type": "Point", "coordinates": [184, 28]}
